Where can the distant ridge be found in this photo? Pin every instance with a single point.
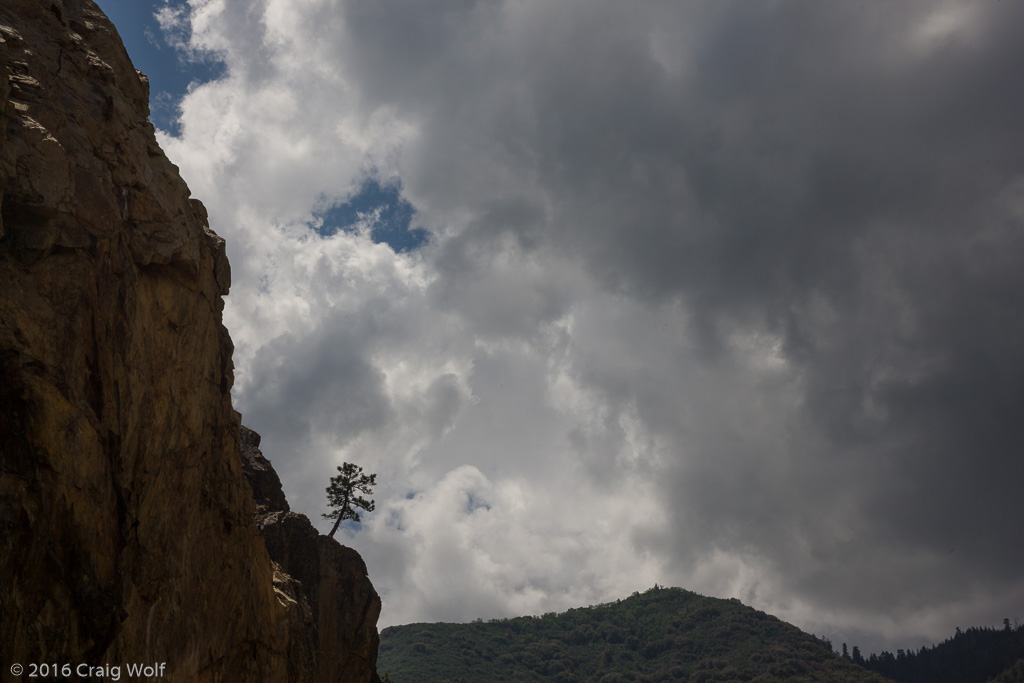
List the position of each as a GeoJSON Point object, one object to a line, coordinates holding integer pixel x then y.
{"type": "Point", "coordinates": [664, 634]}
{"type": "Point", "coordinates": [976, 655]}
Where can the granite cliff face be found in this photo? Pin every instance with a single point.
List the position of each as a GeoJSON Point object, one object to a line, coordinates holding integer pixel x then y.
{"type": "Point", "coordinates": [127, 529]}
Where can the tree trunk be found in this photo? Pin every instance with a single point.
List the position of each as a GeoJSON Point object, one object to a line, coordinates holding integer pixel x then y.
{"type": "Point", "coordinates": [335, 528]}
{"type": "Point", "coordinates": [341, 516]}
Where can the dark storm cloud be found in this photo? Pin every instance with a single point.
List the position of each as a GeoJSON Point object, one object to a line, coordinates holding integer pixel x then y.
{"type": "Point", "coordinates": [900, 236]}
{"type": "Point", "coordinates": [844, 177]}
{"type": "Point", "coordinates": [757, 268]}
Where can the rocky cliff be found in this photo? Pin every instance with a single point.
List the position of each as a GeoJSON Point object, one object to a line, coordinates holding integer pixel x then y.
{"type": "Point", "coordinates": [127, 530]}
{"type": "Point", "coordinates": [336, 607]}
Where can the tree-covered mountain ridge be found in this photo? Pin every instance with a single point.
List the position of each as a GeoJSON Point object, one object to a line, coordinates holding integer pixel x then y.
{"type": "Point", "coordinates": [977, 655]}
{"type": "Point", "coordinates": [663, 634]}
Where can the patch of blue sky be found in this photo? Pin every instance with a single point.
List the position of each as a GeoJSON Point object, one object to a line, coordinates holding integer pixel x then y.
{"type": "Point", "coordinates": [394, 521]}
{"type": "Point", "coordinates": [350, 528]}
{"type": "Point", "coordinates": [393, 216]}
{"type": "Point", "coordinates": [171, 72]}
{"type": "Point", "coordinates": [473, 503]}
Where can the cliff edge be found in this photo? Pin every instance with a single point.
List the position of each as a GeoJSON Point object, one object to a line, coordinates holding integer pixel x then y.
{"type": "Point", "coordinates": [333, 607]}
{"type": "Point", "coordinates": [127, 529]}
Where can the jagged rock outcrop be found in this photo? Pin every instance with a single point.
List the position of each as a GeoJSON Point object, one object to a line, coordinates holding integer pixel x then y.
{"type": "Point", "coordinates": [126, 525]}
{"type": "Point", "coordinates": [263, 480]}
{"type": "Point", "coordinates": [327, 582]}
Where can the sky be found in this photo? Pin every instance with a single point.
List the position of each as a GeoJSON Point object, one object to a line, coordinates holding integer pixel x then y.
{"type": "Point", "coordinates": [714, 295]}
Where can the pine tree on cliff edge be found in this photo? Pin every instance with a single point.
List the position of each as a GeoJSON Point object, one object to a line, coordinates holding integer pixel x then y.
{"type": "Point", "coordinates": [342, 494]}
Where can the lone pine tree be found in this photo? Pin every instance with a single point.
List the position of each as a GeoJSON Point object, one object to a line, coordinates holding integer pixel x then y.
{"type": "Point", "coordinates": [342, 494]}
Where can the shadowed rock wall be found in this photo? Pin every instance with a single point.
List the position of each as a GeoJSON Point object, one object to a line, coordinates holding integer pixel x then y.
{"type": "Point", "coordinates": [126, 526]}
{"type": "Point", "coordinates": [334, 615]}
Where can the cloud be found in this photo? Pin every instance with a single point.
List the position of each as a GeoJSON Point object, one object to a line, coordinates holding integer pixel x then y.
{"type": "Point", "coordinates": [716, 296]}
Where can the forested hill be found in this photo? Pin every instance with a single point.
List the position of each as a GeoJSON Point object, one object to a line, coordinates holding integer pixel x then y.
{"type": "Point", "coordinates": [972, 656]}
{"type": "Point", "coordinates": [664, 634]}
